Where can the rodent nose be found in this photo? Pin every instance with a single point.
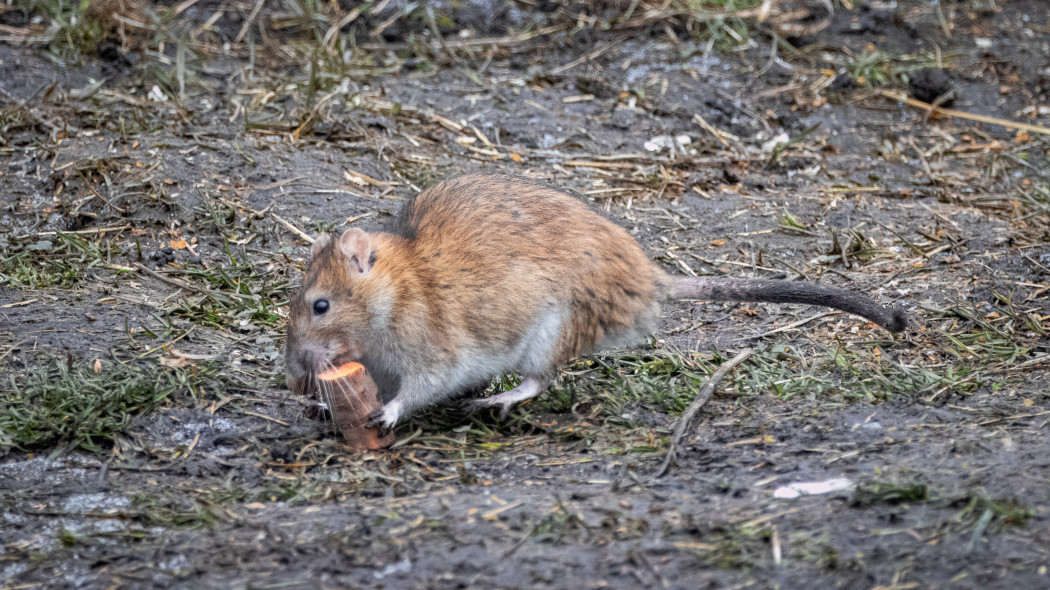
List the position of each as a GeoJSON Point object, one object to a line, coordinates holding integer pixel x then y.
{"type": "Point", "coordinates": [314, 357]}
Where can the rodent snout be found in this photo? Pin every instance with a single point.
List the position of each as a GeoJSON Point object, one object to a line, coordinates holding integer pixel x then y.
{"type": "Point", "coordinates": [315, 357]}
{"type": "Point", "coordinates": [307, 360]}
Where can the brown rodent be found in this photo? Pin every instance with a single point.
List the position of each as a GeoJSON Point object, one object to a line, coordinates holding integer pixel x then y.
{"type": "Point", "coordinates": [494, 274]}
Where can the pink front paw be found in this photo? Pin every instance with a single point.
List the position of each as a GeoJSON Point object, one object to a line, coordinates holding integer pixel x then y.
{"type": "Point", "coordinates": [386, 417]}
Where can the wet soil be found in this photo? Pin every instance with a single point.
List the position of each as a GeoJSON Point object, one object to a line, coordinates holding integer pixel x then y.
{"type": "Point", "coordinates": [236, 485]}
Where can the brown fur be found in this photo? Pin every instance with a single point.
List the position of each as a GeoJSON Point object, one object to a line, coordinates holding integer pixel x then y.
{"type": "Point", "coordinates": [478, 266]}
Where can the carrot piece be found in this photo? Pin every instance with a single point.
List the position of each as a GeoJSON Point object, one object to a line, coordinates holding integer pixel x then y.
{"type": "Point", "coordinates": [345, 370]}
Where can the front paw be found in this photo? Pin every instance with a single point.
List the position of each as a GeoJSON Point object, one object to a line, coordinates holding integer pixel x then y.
{"type": "Point", "coordinates": [385, 418]}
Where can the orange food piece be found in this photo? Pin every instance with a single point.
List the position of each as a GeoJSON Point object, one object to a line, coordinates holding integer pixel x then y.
{"type": "Point", "coordinates": [339, 372]}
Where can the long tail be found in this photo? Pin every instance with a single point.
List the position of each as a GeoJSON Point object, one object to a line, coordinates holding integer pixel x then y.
{"type": "Point", "coordinates": [722, 289]}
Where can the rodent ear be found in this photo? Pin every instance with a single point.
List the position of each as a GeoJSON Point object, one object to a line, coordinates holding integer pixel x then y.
{"type": "Point", "coordinates": [357, 247]}
{"type": "Point", "coordinates": [321, 241]}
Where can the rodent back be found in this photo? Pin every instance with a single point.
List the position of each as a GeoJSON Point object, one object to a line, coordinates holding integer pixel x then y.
{"type": "Point", "coordinates": [513, 248]}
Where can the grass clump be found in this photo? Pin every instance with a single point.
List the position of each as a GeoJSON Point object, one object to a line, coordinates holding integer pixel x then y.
{"type": "Point", "coordinates": [846, 373]}
{"type": "Point", "coordinates": [666, 380]}
{"type": "Point", "coordinates": [59, 261]}
{"type": "Point", "coordinates": [73, 26]}
{"type": "Point", "coordinates": [560, 526]}
{"type": "Point", "coordinates": [988, 514]}
{"type": "Point", "coordinates": [75, 29]}
{"type": "Point", "coordinates": [983, 517]}
{"type": "Point", "coordinates": [879, 492]}
{"type": "Point", "coordinates": [873, 68]}
{"type": "Point", "coordinates": [172, 512]}
{"type": "Point", "coordinates": [727, 32]}
{"type": "Point", "coordinates": [239, 294]}
{"type": "Point", "coordinates": [72, 405]}
{"type": "Point", "coordinates": [13, 119]}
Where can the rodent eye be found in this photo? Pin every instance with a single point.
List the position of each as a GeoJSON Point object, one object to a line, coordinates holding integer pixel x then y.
{"type": "Point", "coordinates": [320, 306]}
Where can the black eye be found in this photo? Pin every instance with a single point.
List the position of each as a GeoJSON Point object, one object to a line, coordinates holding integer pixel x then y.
{"type": "Point", "coordinates": [320, 306]}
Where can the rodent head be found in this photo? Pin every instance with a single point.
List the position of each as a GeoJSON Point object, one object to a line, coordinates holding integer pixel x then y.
{"type": "Point", "coordinates": [330, 317]}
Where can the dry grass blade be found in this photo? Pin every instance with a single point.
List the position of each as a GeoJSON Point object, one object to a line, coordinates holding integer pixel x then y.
{"type": "Point", "coordinates": [333, 31]}
{"type": "Point", "coordinates": [292, 228]}
{"type": "Point", "coordinates": [701, 400]}
{"type": "Point", "coordinates": [964, 115]}
{"type": "Point", "coordinates": [248, 21]}
{"type": "Point", "coordinates": [184, 285]}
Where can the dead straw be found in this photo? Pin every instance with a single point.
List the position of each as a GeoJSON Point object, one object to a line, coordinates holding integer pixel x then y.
{"type": "Point", "coordinates": [964, 115]}
{"type": "Point", "coordinates": [701, 400]}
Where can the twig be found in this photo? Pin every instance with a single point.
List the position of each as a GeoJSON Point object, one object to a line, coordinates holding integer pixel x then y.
{"type": "Point", "coordinates": [270, 418]}
{"type": "Point", "coordinates": [333, 31]}
{"type": "Point", "coordinates": [507, 41]}
{"type": "Point", "coordinates": [1033, 261]}
{"type": "Point", "coordinates": [763, 14]}
{"type": "Point", "coordinates": [12, 348]}
{"type": "Point", "coordinates": [1037, 360]}
{"type": "Point", "coordinates": [586, 58]}
{"type": "Point", "coordinates": [184, 6]}
{"type": "Point", "coordinates": [940, 391]}
{"type": "Point", "coordinates": [168, 280]}
{"type": "Point", "coordinates": [964, 115]}
{"type": "Point", "coordinates": [291, 227]}
{"type": "Point", "coordinates": [89, 231]}
{"type": "Point", "coordinates": [168, 343]}
{"type": "Point", "coordinates": [718, 133]}
{"type": "Point", "coordinates": [18, 304]}
{"type": "Point", "coordinates": [248, 22]}
{"type": "Point", "coordinates": [189, 286]}
{"type": "Point", "coordinates": [702, 398]}
{"type": "Point", "coordinates": [790, 326]}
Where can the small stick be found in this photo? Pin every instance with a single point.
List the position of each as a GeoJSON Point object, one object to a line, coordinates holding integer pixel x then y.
{"type": "Point", "coordinates": [718, 133]}
{"type": "Point", "coordinates": [790, 326]}
{"type": "Point", "coordinates": [168, 280]}
{"type": "Point", "coordinates": [188, 286]}
{"type": "Point", "coordinates": [93, 230]}
{"type": "Point", "coordinates": [184, 5]}
{"type": "Point", "coordinates": [248, 21]}
{"type": "Point", "coordinates": [588, 57]}
{"type": "Point", "coordinates": [292, 228]}
{"type": "Point", "coordinates": [169, 343]}
{"type": "Point", "coordinates": [18, 304]}
{"type": "Point", "coordinates": [964, 115]}
{"type": "Point", "coordinates": [701, 399]}
{"type": "Point", "coordinates": [333, 31]}
{"type": "Point", "coordinates": [12, 348]}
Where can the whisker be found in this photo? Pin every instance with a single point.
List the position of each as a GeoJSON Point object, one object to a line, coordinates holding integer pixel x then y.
{"type": "Point", "coordinates": [325, 396]}
{"type": "Point", "coordinates": [330, 400]}
{"type": "Point", "coordinates": [351, 394]}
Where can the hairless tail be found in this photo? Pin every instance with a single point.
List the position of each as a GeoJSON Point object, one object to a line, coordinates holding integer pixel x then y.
{"type": "Point", "coordinates": [722, 289]}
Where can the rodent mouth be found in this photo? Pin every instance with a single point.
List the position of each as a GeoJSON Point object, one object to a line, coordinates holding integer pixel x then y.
{"type": "Point", "coordinates": [340, 360]}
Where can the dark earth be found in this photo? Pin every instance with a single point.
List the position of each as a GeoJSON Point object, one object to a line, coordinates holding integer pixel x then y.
{"type": "Point", "coordinates": [160, 162]}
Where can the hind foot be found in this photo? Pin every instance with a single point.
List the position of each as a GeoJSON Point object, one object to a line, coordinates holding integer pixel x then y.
{"type": "Point", "coordinates": [530, 387]}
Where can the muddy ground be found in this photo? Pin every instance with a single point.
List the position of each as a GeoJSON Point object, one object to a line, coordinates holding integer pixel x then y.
{"type": "Point", "coordinates": [156, 172]}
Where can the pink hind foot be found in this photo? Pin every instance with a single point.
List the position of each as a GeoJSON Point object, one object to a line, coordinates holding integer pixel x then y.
{"type": "Point", "coordinates": [530, 387]}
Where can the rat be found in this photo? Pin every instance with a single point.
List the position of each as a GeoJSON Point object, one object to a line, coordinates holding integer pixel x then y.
{"type": "Point", "coordinates": [485, 275]}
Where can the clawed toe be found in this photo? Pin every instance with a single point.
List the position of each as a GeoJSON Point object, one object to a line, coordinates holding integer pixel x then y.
{"type": "Point", "coordinates": [375, 418]}
{"type": "Point", "coordinates": [477, 405]}
{"type": "Point", "coordinates": [384, 418]}
{"type": "Point", "coordinates": [529, 388]}
{"type": "Point", "coordinates": [504, 409]}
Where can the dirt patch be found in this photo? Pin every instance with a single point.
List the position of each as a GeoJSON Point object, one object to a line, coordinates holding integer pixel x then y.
{"type": "Point", "coordinates": [154, 188]}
